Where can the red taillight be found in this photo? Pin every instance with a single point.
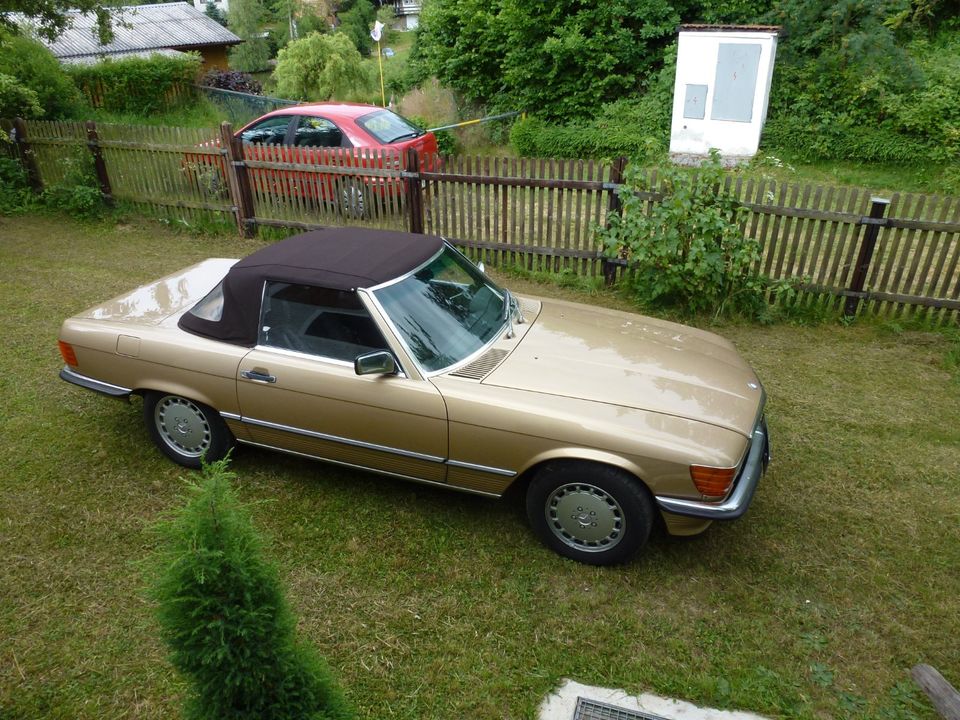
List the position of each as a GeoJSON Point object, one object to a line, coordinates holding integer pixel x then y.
{"type": "Point", "coordinates": [712, 481]}
{"type": "Point", "coordinates": [69, 356]}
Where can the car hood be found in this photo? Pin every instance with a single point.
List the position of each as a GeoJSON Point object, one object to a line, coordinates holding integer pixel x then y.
{"type": "Point", "coordinates": [633, 361]}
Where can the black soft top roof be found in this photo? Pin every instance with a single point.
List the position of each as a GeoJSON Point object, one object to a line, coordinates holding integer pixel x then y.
{"type": "Point", "coordinates": [337, 258]}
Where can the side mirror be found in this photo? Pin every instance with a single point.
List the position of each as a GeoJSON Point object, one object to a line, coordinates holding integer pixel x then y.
{"type": "Point", "coordinates": [481, 267]}
{"type": "Point", "coordinates": [380, 362]}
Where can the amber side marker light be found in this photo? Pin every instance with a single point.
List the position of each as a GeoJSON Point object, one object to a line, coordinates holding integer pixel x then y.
{"type": "Point", "coordinates": [69, 356]}
{"type": "Point", "coordinates": [712, 481]}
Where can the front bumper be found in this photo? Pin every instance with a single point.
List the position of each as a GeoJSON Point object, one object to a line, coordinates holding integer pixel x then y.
{"type": "Point", "coordinates": [96, 385]}
{"type": "Point", "coordinates": [737, 502]}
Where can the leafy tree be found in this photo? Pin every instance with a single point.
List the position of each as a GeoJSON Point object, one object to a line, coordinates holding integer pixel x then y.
{"type": "Point", "coordinates": [35, 68]}
{"type": "Point", "coordinates": [215, 13]}
{"type": "Point", "coordinates": [246, 19]}
{"type": "Point", "coordinates": [561, 58]}
{"type": "Point", "coordinates": [224, 616]}
{"type": "Point", "coordinates": [568, 56]}
{"type": "Point", "coordinates": [50, 17]}
{"type": "Point", "coordinates": [462, 42]}
{"type": "Point", "coordinates": [356, 20]}
{"type": "Point", "coordinates": [317, 66]}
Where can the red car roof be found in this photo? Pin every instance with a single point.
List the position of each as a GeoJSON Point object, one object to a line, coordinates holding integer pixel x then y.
{"type": "Point", "coordinates": [336, 111]}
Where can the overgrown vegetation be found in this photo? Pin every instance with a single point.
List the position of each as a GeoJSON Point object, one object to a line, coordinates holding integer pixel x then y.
{"type": "Point", "coordinates": [223, 613]}
{"type": "Point", "coordinates": [866, 81]}
{"type": "Point", "coordinates": [138, 85]}
{"type": "Point", "coordinates": [36, 70]}
{"type": "Point", "coordinates": [688, 250]}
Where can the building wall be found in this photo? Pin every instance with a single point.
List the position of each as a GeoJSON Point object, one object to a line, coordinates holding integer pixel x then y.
{"type": "Point", "coordinates": [214, 56]}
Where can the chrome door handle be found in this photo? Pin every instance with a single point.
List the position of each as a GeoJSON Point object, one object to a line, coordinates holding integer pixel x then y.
{"type": "Point", "coordinates": [258, 376]}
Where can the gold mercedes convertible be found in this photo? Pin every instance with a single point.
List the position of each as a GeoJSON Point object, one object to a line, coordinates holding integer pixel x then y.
{"type": "Point", "coordinates": [394, 353]}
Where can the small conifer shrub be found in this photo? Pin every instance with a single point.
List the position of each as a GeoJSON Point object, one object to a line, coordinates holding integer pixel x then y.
{"type": "Point", "coordinates": [223, 614]}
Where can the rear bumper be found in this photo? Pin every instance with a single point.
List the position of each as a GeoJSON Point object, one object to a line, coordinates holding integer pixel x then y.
{"type": "Point", "coordinates": [96, 385]}
{"type": "Point", "coordinates": [737, 502]}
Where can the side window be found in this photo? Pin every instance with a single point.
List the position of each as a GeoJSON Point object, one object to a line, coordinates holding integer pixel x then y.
{"type": "Point", "coordinates": [319, 321]}
{"type": "Point", "coordinates": [271, 131]}
{"type": "Point", "coordinates": [317, 132]}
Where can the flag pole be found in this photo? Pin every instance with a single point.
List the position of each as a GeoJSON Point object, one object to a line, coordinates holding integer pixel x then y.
{"type": "Point", "coordinates": [376, 34]}
{"type": "Point", "coordinates": [383, 96]}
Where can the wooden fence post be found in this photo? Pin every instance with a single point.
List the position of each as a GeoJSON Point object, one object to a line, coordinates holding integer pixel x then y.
{"type": "Point", "coordinates": [238, 180]}
{"type": "Point", "coordinates": [25, 152]}
{"type": "Point", "coordinates": [942, 694]}
{"type": "Point", "coordinates": [414, 191]}
{"type": "Point", "coordinates": [873, 222]}
{"type": "Point", "coordinates": [613, 208]}
{"type": "Point", "coordinates": [93, 142]}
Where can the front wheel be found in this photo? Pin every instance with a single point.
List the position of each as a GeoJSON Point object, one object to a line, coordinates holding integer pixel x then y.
{"type": "Point", "coordinates": [592, 513]}
{"type": "Point", "coordinates": [186, 431]}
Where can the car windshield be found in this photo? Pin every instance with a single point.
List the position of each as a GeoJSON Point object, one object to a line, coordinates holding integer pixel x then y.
{"type": "Point", "coordinates": [445, 311]}
{"type": "Point", "coordinates": [388, 127]}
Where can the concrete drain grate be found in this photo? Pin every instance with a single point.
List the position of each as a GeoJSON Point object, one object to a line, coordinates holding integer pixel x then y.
{"type": "Point", "coordinates": [593, 710]}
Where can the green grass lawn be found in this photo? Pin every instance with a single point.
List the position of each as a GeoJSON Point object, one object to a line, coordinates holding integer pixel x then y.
{"type": "Point", "coordinates": [435, 605]}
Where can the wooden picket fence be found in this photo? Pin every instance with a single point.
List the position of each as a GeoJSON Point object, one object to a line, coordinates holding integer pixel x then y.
{"type": "Point", "coordinates": [891, 256]}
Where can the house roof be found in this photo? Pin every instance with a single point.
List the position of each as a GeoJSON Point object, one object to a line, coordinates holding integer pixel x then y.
{"type": "Point", "coordinates": [141, 27]}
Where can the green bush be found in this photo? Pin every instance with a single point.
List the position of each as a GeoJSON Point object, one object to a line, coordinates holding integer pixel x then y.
{"type": "Point", "coordinates": [35, 68]}
{"type": "Point", "coordinates": [15, 193]}
{"type": "Point", "coordinates": [138, 85]}
{"type": "Point", "coordinates": [638, 128]}
{"type": "Point", "coordinates": [17, 100]}
{"type": "Point", "coordinates": [77, 193]}
{"type": "Point", "coordinates": [223, 614]}
{"type": "Point", "coordinates": [689, 251]}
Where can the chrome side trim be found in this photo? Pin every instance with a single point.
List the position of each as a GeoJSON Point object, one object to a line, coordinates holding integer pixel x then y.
{"type": "Point", "coordinates": [341, 440]}
{"type": "Point", "coordinates": [739, 500]}
{"type": "Point", "coordinates": [89, 383]}
{"type": "Point", "coordinates": [481, 468]}
{"type": "Point", "coordinates": [373, 470]}
{"type": "Point", "coordinates": [230, 416]}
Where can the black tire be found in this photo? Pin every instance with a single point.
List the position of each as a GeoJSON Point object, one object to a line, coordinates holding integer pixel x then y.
{"type": "Point", "coordinates": [589, 512]}
{"type": "Point", "coordinates": [186, 431]}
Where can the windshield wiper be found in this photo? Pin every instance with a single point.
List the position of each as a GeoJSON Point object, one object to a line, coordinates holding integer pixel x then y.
{"type": "Point", "coordinates": [406, 135]}
{"type": "Point", "coordinates": [511, 307]}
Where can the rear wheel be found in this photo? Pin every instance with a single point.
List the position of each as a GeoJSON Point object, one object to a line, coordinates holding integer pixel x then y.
{"type": "Point", "coordinates": [592, 513]}
{"type": "Point", "coordinates": [186, 431]}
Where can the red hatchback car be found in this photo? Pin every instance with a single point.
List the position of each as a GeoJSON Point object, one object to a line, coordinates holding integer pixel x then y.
{"type": "Point", "coordinates": [292, 134]}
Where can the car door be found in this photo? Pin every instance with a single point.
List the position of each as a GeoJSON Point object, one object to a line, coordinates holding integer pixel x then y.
{"type": "Point", "coordinates": [268, 141]}
{"type": "Point", "coordinates": [320, 141]}
{"type": "Point", "coordinates": [298, 390]}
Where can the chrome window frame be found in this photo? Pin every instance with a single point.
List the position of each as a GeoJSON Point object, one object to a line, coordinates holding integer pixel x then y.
{"type": "Point", "coordinates": [370, 293]}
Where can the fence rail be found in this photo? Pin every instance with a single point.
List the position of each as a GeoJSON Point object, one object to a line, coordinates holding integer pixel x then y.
{"type": "Point", "coordinates": [891, 256]}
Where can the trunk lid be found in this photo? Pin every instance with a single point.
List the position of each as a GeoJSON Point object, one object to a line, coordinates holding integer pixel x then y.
{"type": "Point", "coordinates": [154, 302]}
